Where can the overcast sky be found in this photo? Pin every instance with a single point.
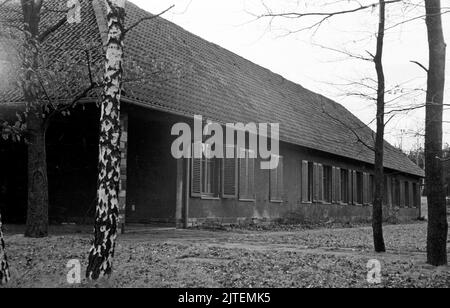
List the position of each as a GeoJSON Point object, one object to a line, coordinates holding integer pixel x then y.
{"type": "Point", "coordinates": [302, 58]}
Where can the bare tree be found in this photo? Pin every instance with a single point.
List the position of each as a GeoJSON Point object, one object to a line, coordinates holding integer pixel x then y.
{"type": "Point", "coordinates": [437, 211]}
{"type": "Point", "coordinates": [107, 213]}
{"type": "Point", "coordinates": [377, 216]}
{"type": "Point", "coordinates": [106, 218]}
{"type": "Point", "coordinates": [37, 214]}
{"type": "Point", "coordinates": [380, 89]}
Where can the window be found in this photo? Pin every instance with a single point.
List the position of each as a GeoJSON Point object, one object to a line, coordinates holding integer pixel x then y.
{"type": "Point", "coordinates": [276, 182]}
{"type": "Point", "coordinates": [210, 176]}
{"type": "Point", "coordinates": [247, 176]}
{"type": "Point", "coordinates": [309, 179]}
{"type": "Point", "coordinates": [345, 188]}
{"type": "Point", "coordinates": [327, 184]}
{"type": "Point", "coordinates": [205, 176]}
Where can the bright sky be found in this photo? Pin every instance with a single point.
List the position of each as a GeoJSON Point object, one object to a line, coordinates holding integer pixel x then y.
{"type": "Point", "coordinates": [297, 56]}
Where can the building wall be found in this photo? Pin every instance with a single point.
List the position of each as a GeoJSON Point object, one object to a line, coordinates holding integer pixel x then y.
{"type": "Point", "coordinates": [293, 208]}
{"type": "Point", "coordinates": [157, 186]}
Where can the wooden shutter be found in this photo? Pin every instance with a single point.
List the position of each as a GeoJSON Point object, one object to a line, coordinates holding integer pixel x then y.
{"type": "Point", "coordinates": [251, 177]}
{"type": "Point", "coordinates": [196, 179]}
{"type": "Point", "coordinates": [365, 188]}
{"type": "Point", "coordinates": [402, 194]}
{"type": "Point", "coordinates": [411, 195]}
{"type": "Point", "coordinates": [355, 187]}
{"type": "Point", "coordinates": [333, 185]}
{"type": "Point", "coordinates": [280, 182]}
{"type": "Point", "coordinates": [273, 184]}
{"type": "Point", "coordinates": [276, 182]}
{"type": "Point", "coordinates": [243, 174]}
{"type": "Point", "coordinates": [230, 176]}
{"type": "Point", "coordinates": [337, 195]}
{"type": "Point", "coordinates": [305, 181]}
{"type": "Point", "coordinates": [321, 186]}
{"type": "Point", "coordinates": [281, 178]}
{"type": "Point", "coordinates": [350, 187]}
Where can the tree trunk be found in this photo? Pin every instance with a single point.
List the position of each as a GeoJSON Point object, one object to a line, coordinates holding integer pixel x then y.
{"type": "Point", "coordinates": [105, 227]}
{"type": "Point", "coordinates": [4, 267]}
{"type": "Point", "coordinates": [377, 219]}
{"type": "Point", "coordinates": [37, 215]}
{"type": "Point", "coordinates": [437, 211]}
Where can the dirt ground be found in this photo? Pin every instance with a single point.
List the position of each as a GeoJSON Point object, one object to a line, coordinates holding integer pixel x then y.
{"type": "Point", "coordinates": [239, 258]}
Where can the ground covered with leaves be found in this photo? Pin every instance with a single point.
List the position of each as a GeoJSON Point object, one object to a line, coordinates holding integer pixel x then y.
{"type": "Point", "coordinates": [237, 258]}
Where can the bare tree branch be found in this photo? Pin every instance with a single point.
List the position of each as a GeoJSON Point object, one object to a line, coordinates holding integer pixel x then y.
{"type": "Point", "coordinates": [421, 65]}
{"type": "Point", "coordinates": [147, 18]}
{"type": "Point", "coordinates": [358, 137]}
{"type": "Point", "coordinates": [52, 29]}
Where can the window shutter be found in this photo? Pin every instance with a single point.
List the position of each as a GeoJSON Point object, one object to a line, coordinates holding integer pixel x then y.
{"type": "Point", "coordinates": [273, 184]}
{"type": "Point", "coordinates": [305, 184]}
{"type": "Point", "coordinates": [411, 195]}
{"type": "Point", "coordinates": [350, 187]}
{"type": "Point", "coordinates": [321, 186]}
{"type": "Point", "coordinates": [337, 185]}
{"type": "Point", "coordinates": [276, 182]}
{"type": "Point", "coordinates": [280, 179]}
{"type": "Point", "coordinates": [243, 176]}
{"type": "Point", "coordinates": [229, 176]}
{"type": "Point", "coordinates": [365, 188]}
{"type": "Point", "coordinates": [251, 177]}
{"type": "Point", "coordinates": [355, 187]}
{"type": "Point", "coordinates": [333, 185]}
{"type": "Point", "coordinates": [196, 179]}
{"type": "Point", "coordinates": [402, 194]}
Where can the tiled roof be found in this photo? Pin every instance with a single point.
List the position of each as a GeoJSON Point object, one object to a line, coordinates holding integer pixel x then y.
{"type": "Point", "coordinates": [227, 88]}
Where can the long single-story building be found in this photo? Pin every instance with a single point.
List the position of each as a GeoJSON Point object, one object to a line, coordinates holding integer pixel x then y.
{"type": "Point", "coordinates": [325, 173]}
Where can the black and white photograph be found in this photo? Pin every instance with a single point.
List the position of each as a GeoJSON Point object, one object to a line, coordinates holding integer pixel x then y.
{"type": "Point", "coordinates": [224, 151]}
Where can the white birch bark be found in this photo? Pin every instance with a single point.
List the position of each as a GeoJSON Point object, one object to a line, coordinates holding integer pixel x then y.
{"type": "Point", "coordinates": [106, 221]}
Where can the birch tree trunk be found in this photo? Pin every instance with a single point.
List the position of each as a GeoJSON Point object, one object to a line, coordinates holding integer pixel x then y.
{"type": "Point", "coordinates": [4, 267]}
{"type": "Point", "coordinates": [37, 210]}
{"type": "Point", "coordinates": [105, 227]}
{"type": "Point", "coordinates": [377, 219]}
{"type": "Point", "coordinates": [437, 211]}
